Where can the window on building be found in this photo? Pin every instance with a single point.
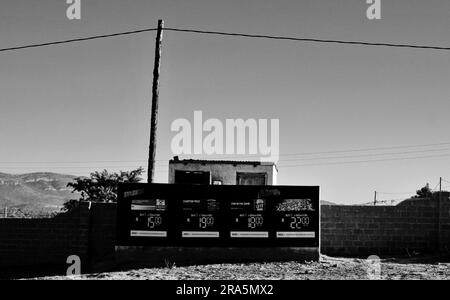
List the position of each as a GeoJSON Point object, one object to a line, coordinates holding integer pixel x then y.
{"type": "Point", "coordinates": [251, 179]}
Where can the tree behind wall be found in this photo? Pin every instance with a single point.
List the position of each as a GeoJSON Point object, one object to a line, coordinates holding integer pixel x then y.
{"type": "Point", "coordinates": [101, 186]}
{"type": "Point", "coordinates": [424, 192]}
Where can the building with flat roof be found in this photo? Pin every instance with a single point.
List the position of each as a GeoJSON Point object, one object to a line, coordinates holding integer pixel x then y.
{"type": "Point", "coordinates": [222, 172]}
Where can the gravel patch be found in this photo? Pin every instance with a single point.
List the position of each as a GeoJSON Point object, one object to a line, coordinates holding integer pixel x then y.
{"type": "Point", "coordinates": [329, 268]}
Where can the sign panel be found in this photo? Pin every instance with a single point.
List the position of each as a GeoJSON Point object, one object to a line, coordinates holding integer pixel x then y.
{"type": "Point", "coordinates": [200, 218]}
{"type": "Point", "coordinates": [216, 216]}
{"type": "Point", "coordinates": [248, 218]}
{"type": "Point", "coordinates": [294, 219]}
{"type": "Point", "coordinates": [148, 218]}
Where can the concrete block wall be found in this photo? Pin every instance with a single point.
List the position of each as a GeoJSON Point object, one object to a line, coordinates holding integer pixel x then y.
{"type": "Point", "coordinates": [102, 235]}
{"type": "Point", "coordinates": [43, 242]}
{"type": "Point", "coordinates": [444, 224]}
{"type": "Point", "coordinates": [414, 226]}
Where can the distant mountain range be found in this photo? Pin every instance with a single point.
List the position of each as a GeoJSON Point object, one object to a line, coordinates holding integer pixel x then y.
{"type": "Point", "coordinates": [35, 191]}
{"type": "Point", "coordinates": [324, 202]}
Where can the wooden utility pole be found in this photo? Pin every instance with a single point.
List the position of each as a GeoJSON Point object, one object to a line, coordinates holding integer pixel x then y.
{"type": "Point", "coordinates": [439, 215]}
{"type": "Point", "coordinates": [375, 199]}
{"type": "Point", "coordinates": [155, 103]}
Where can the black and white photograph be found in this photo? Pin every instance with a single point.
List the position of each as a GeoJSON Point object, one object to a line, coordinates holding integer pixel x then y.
{"type": "Point", "coordinates": [224, 147]}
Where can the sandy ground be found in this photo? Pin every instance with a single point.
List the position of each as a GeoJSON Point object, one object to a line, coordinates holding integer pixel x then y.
{"type": "Point", "coordinates": [327, 269]}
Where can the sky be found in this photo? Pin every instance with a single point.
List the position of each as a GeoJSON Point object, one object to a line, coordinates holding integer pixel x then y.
{"type": "Point", "coordinates": [81, 107]}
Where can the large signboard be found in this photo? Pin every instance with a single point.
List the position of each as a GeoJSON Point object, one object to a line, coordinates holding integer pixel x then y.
{"type": "Point", "coordinates": [216, 216]}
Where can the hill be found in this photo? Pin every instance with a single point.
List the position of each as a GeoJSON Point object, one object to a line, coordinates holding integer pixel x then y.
{"type": "Point", "coordinates": [324, 202]}
{"type": "Point", "coordinates": [35, 191]}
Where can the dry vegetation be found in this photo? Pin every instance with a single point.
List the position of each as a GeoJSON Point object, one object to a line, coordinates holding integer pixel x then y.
{"type": "Point", "coordinates": [327, 269]}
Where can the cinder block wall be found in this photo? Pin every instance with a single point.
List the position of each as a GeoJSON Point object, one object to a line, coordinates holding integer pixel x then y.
{"type": "Point", "coordinates": [416, 225]}
{"type": "Point", "coordinates": [444, 224]}
{"type": "Point", "coordinates": [102, 235]}
{"type": "Point", "coordinates": [43, 242]}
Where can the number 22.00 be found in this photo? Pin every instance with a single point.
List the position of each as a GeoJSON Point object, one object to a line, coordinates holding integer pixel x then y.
{"type": "Point", "coordinates": [299, 222]}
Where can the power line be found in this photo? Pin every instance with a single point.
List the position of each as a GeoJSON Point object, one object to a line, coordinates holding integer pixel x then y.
{"type": "Point", "coordinates": [367, 155]}
{"type": "Point", "coordinates": [436, 186]}
{"type": "Point", "coordinates": [369, 149]}
{"type": "Point", "coordinates": [362, 161]}
{"type": "Point", "coordinates": [387, 202]}
{"type": "Point", "coordinates": [72, 167]}
{"type": "Point", "coordinates": [396, 199]}
{"type": "Point", "coordinates": [164, 162]}
{"type": "Point", "coordinates": [280, 166]}
{"type": "Point", "coordinates": [445, 180]}
{"type": "Point", "coordinates": [390, 202]}
{"type": "Point", "coordinates": [383, 193]}
{"type": "Point", "coordinates": [348, 150]}
{"type": "Point", "coordinates": [95, 37]}
{"type": "Point", "coordinates": [272, 37]}
{"type": "Point", "coordinates": [405, 193]}
{"type": "Point", "coordinates": [360, 43]}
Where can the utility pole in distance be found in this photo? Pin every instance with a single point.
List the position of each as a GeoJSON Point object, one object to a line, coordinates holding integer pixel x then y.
{"type": "Point", "coordinates": [155, 103]}
{"type": "Point", "coordinates": [375, 199]}
{"type": "Point", "coordinates": [439, 215]}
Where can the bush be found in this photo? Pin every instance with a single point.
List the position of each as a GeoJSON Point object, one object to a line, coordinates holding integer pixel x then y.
{"type": "Point", "coordinates": [101, 186]}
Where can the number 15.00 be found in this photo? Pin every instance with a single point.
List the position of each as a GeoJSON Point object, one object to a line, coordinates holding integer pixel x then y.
{"type": "Point", "coordinates": [153, 222]}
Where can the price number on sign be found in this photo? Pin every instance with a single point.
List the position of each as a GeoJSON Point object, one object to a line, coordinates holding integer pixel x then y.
{"type": "Point", "coordinates": [205, 222]}
{"type": "Point", "coordinates": [254, 222]}
{"type": "Point", "coordinates": [154, 221]}
{"type": "Point", "coordinates": [299, 222]}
